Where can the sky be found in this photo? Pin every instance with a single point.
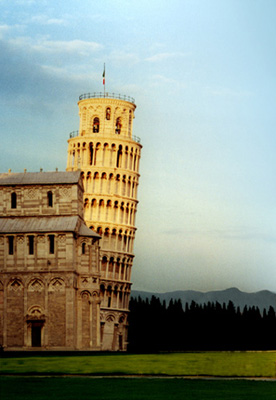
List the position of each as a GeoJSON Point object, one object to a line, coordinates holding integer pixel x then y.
{"type": "Point", "coordinates": [203, 75]}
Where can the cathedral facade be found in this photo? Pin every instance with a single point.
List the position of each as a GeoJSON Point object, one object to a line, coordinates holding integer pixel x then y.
{"type": "Point", "coordinates": [66, 238]}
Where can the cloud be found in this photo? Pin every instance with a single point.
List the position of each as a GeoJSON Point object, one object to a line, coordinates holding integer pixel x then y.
{"type": "Point", "coordinates": [21, 77]}
{"type": "Point", "coordinates": [45, 20]}
{"type": "Point", "coordinates": [164, 56]}
{"type": "Point", "coordinates": [4, 29]}
{"type": "Point", "coordinates": [45, 46]}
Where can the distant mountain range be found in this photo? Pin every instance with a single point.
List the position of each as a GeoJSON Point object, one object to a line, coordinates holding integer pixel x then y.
{"type": "Point", "coordinates": [263, 299]}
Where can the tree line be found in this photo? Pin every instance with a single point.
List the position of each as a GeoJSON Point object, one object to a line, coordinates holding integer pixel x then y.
{"type": "Point", "coordinates": [155, 326]}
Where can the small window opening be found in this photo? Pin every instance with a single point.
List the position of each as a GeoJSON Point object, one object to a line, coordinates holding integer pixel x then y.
{"type": "Point", "coordinates": [96, 125]}
{"type": "Point", "coordinates": [108, 114]}
{"type": "Point", "coordinates": [51, 244]}
{"type": "Point", "coordinates": [83, 248]}
{"type": "Point", "coordinates": [118, 126]}
{"type": "Point", "coordinates": [11, 244]}
{"type": "Point", "coordinates": [50, 199]}
{"type": "Point", "coordinates": [13, 200]}
{"type": "Point", "coordinates": [31, 244]}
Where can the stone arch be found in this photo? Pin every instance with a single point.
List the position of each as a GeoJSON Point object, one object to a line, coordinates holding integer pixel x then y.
{"type": "Point", "coordinates": [95, 295]}
{"type": "Point", "coordinates": [35, 319]}
{"type": "Point", "coordinates": [15, 284]}
{"type": "Point", "coordinates": [110, 317]}
{"type": "Point", "coordinates": [56, 284]}
{"type": "Point", "coordinates": [99, 230]}
{"type": "Point", "coordinates": [104, 264]}
{"type": "Point", "coordinates": [103, 182]}
{"type": "Point", "coordinates": [119, 156]}
{"type": "Point", "coordinates": [85, 295]}
{"type": "Point", "coordinates": [101, 207]}
{"type": "Point", "coordinates": [131, 158]}
{"type": "Point", "coordinates": [35, 312]}
{"type": "Point", "coordinates": [13, 200]}
{"type": "Point", "coordinates": [91, 153]}
{"type": "Point", "coordinates": [116, 209]}
{"type": "Point", "coordinates": [117, 183]}
{"type": "Point", "coordinates": [35, 285]}
{"type": "Point", "coordinates": [97, 151]}
{"type": "Point", "coordinates": [95, 182]}
{"type": "Point", "coordinates": [109, 295]}
{"type": "Point", "coordinates": [108, 208]}
{"type": "Point", "coordinates": [122, 318]}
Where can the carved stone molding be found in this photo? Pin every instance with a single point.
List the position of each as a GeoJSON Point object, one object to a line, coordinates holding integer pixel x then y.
{"type": "Point", "coordinates": [20, 239]}
{"type": "Point", "coordinates": [41, 238]}
{"type": "Point", "coordinates": [16, 285]}
{"type": "Point", "coordinates": [36, 285]}
{"type": "Point", "coordinates": [56, 284]}
{"type": "Point", "coordinates": [65, 192]}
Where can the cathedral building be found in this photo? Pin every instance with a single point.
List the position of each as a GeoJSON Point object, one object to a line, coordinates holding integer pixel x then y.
{"type": "Point", "coordinates": [49, 279]}
{"type": "Point", "coordinates": [66, 238]}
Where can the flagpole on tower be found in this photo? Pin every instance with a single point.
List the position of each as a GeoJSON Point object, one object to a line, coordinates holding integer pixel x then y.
{"type": "Point", "coordinates": [104, 79]}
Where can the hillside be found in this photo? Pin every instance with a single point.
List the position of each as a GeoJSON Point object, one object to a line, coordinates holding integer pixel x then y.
{"type": "Point", "coordinates": [262, 299]}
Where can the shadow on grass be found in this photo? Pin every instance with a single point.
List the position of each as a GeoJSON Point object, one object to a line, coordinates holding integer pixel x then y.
{"type": "Point", "coordinates": [73, 388]}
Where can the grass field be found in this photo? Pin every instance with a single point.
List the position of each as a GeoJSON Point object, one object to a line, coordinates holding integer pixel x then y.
{"type": "Point", "coordinates": [43, 377]}
{"type": "Point", "coordinates": [19, 388]}
{"type": "Point", "coordinates": [221, 364]}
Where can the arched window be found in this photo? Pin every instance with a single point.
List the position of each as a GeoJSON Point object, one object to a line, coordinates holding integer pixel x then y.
{"type": "Point", "coordinates": [108, 114]}
{"type": "Point", "coordinates": [96, 125]}
{"type": "Point", "coordinates": [13, 200]}
{"type": "Point", "coordinates": [11, 244]}
{"type": "Point", "coordinates": [50, 199]}
{"type": "Point", "coordinates": [118, 125]}
{"type": "Point", "coordinates": [90, 153]}
{"type": "Point", "coordinates": [119, 156]}
{"type": "Point", "coordinates": [31, 244]}
{"type": "Point", "coordinates": [104, 263]}
{"type": "Point", "coordinates": [109, 293]}
{"type": "Point", "coordinates": [51, 244]}
{"type": "Point", "coordinates": [83, 248]}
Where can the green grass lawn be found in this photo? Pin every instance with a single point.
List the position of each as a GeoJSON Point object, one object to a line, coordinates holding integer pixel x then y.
{"type": "Point", "coordinates": [19, 388]}
{"type": "Point", "coordinates": [223, 364]}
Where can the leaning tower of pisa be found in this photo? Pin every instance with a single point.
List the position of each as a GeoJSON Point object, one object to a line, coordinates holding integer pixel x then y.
{"type": "Point", "coordinates": [108, 154]}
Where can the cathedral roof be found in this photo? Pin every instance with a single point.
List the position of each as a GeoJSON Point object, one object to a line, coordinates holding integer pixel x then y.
{"type": "Point", "coordinates": [42, 178]}
{"type": "Point", "coordinates": [46, 225]}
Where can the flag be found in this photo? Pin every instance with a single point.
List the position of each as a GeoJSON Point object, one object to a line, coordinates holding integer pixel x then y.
{"type": "Point", "coordinates": [104, 75]}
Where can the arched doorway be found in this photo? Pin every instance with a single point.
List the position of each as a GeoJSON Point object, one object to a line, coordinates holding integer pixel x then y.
{"type": "Point", "coordinates": [35, 328]}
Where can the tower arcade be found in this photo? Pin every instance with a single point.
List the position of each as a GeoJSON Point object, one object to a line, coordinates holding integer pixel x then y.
{"type": "Point", "coordinates": [108, 155]}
